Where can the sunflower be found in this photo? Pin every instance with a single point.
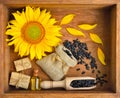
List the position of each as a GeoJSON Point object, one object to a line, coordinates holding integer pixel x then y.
{"type": "Point", "coordinates": [33, 32]}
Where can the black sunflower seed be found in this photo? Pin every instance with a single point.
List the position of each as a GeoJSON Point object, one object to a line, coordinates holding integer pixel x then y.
{"type": "Point", "coordinates": [93, 71]}
{"type": "Point", "coordinates": [78, 69]}
{"type": "Point", "coordinates": [98, 71]}
{"type": "Point", "coordinates": [83, 72]}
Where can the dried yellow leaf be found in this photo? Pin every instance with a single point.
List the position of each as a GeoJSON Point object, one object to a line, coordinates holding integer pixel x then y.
{"type": "Point", "coordinates": [67, 19]}
{"type": "Point", "coordinates": [96, 38]}
{"type": "Point", "coordinates": [87, 26]}
{"type": "Point", "coordinates": [101, 56]}
{"type": "Point", "coordinates": [75, 32]}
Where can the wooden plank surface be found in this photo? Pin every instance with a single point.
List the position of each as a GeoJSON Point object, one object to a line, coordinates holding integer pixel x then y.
{"type": "Point", "coordinates": [1, 52]}
{"type": "Point", "coordinates": [113, 48]}
{"type": "Point", "coordinates": [118, 48]}
{"type": "Point", "coordinates": [91, 16]}
{"type": "Point", "coordinates": [60, 1]}
{"type": "Point", "coordinates": [2, 30]}
{"type": "Point", "coordinates": [64, 94]}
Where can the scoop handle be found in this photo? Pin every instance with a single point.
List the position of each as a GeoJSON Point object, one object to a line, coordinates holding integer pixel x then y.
{"type": "Point", "coordinates": [66, 83]}
{"type": "Point", "coordinates": [52, 84]}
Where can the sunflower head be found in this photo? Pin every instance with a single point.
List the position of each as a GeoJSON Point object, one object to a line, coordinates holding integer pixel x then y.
{"type": "Point", "coordinates": [33, 32]}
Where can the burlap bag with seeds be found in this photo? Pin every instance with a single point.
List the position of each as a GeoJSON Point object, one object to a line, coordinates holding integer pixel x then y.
{"type": "Point", "coordinates": [57, 64]}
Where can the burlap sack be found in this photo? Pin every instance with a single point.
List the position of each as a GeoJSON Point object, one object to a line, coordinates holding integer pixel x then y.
{"type": "Point", "coordinates": [57, 64]}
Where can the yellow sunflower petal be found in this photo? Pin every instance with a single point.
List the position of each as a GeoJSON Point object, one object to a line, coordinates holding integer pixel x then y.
{"type": "Point", "coordinates": [13, 33]}
{"type": "Point", "coordinates": [54, 30]}
{"type": "Point", "coordinates": [15, 27]}
{"type": "Point", "coordinates": [67, 19]}
{"type": "Point", "coordinates": [18, 41]}
{"type": "Point", "coordinates": [42, 15]}
{"type": "Point", "coordinates": [18, 13]}
{"type": "Point", "coordinates": [47, 48]}
{"type": "Point", "coordinates": [8, 25]}
{"type": "Point", "coordinates": [51, 22]}
{"type": "Point", "coordinates": [75, 32]}
{"type": "Point", "coordinates": [95, 38]}
{"type": "Point", "coordinates": [46, 18]}
{"type": "Point", "coordinates": [14, 22]}
{"type": "Point", "coordinates": [29, 13]}
{"type": "Point", "coordinates": [54, 41]}
{"type": "Point", "coordinates": [28, 49]}
{"type": "Point", "coordinates": [19, 19]}
{"type": "Point", "coordinates": [42, 49]}
{"type": "Point", "coordinates": [36, 14]}
{"type": "Point", "coordinates": [32, 52]}
{"type": "Point", "coordinates": [58, 34]}
{"type": "Point", "coordinates": [23, 16]}
{"type": "Point", "coordinates": [10, 39]}
{"type": "Point", "coordinates": [101, 56]}
{"type": "Point", "coordinates": [22, 49]}
{"type": "Point", "coordinates": [13, 42]}
{"type": "Point", "coordinates": [87, 26]}
{"type": "Point", "coordinates": [38, 52]}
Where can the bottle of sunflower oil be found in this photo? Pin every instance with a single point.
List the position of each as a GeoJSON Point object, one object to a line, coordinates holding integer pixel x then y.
{"type": "Point", "coordinates": [35, 81]}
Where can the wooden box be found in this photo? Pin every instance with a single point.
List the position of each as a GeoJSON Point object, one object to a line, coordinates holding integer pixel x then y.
{"type": "Point", "coordinates": [106, 13]}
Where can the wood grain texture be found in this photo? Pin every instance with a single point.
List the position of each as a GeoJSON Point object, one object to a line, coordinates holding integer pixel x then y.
{"type": "Point", "coordinates": [113, 48]}
{"type": "Point", "coordinates": [103, 12]}
{"type": "Point", "coordinates": [118, 48]}
{"type": "Point", "coordinates": [3, 20]}
{"type": "Point", "coordinates": [91, 16]}
{"type": "Point", "coordinates": [60, 1]}
{"type": "Point", "coordinates": [61, 95]}
{"type": "Point", "coordinates": [1, 48]}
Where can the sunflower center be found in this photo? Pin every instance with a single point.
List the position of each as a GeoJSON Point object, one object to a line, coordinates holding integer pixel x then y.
{"type": "Point", "coordinates": [33, 32]}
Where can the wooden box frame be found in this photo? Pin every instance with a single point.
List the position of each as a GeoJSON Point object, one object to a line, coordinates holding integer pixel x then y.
{"type": "Point", "coordinates": [115, 27]}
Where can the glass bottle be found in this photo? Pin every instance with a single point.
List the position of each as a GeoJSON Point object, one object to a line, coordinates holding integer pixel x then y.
{"type": "Point", "coordinates": [35, 81]}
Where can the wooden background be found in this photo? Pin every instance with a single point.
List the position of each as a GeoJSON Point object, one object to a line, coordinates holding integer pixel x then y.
{"type": "Point", "coordinates": [96, 13]}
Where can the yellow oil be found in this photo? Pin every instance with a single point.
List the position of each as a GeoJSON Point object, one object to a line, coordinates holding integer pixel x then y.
{"type": "Point", "coordinates": [35, 81]}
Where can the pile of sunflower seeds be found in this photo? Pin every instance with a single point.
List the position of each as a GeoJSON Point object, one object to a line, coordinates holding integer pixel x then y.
{"type": "Point", "coordinates": [80, 51]}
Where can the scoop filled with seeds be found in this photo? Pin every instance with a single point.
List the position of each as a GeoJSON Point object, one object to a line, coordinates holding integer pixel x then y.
{"type": "Point", "coordinates": [71, 83]}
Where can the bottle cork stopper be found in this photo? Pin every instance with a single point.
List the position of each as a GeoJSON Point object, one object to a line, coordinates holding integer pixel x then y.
{"type": "Point", "coordinates": [35, 72]}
